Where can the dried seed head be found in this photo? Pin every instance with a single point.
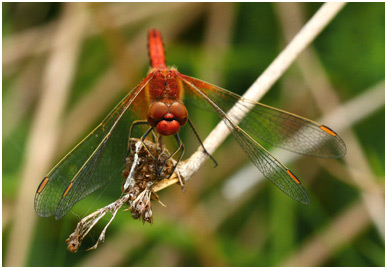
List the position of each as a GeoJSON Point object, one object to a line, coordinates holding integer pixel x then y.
{"type": "Point", "coordinates": [140, 175]}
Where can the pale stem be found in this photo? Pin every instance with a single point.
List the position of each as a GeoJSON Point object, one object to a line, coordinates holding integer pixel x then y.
{"type": "Point", "coordinates": [306, 35]}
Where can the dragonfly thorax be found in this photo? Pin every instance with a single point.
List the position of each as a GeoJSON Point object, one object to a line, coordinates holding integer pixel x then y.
{"type": "Point", "coordinates": [164, 84]}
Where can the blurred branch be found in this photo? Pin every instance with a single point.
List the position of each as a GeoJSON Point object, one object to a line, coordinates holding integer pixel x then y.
{"type": "Point", "coordinates": [18, 46]}
{"type": "Point", "coordinates": [36, 41]}
{"type": "Point", "coordinates": [19, 100]}
{"type": "Point", "coordinates": [291, 18]}
{"type": "Point", "coordinates": [57, 80]}
{"type": "Point", "coordinates": [314, 26]}
{"type": "Point", "coordinates": [217, 39]}
{"type": "Point", "coordinates": [115, 250]}
{"type": "Point", "coordinates": [105, 21]}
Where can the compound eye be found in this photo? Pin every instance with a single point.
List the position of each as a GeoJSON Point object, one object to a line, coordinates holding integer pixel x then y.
{"type": "Point", "coordinates": [156, 112]}
{"type": "Point", "coordinates": [180, 112]}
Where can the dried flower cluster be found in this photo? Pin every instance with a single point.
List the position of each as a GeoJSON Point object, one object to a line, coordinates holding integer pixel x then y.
{"type": "Point", "coordinates": [140, 175]}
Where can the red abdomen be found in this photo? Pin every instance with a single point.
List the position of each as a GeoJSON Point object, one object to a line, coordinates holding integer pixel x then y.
{"type": "Point", "coordinates": [156, 49]}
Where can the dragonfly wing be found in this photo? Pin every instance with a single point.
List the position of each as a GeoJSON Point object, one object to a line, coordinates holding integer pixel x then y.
{"type": "Point", "coordinates": [270, 167]}
{"type": "Point", "coordinates": [274, 126]}
{"type": "Point", "coordinates": [95, 161]}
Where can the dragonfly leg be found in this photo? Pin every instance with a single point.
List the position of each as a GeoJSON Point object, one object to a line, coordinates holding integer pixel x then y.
{"type": "Point", "coordinates": [154, 136]}
{"type": "Point", "coordinates": [137, 122]}
{"type": "Point", "coordinates": [180, 147]}
{"type": "Point", "coordinates": [201, 143]}
{"type": "Point", "coordinates": [151, 129]}
{"type": "Point", "coordinates": [160, 143]}
{"type": "Point", "coordinates": [145, 146]}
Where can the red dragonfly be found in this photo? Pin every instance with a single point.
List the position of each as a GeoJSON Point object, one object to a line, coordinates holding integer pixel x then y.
{"type": "Point", "coordinates": [158, 102]}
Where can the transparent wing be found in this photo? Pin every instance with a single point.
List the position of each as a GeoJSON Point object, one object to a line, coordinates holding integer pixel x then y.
{"type": "Point", "coordinates": [276, 127]}
{"type": "Point", "coordinates": [271, 168]}
{"type": "Point", "coordinates": [96, 160]}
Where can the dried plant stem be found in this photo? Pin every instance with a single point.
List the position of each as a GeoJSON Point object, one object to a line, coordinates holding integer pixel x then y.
{"type": "Point", "coordinates": [85, 225]}
{"type": "Point", "coordinates": [315, 25]}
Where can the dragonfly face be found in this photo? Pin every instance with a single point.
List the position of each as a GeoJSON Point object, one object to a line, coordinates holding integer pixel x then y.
{"type": "Point", "coordinates": [101, 155]}
{"type": "Point", "coordinates": [167, 117]}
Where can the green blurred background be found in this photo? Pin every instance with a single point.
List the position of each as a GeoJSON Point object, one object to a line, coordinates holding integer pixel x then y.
{"type": "Point", "coordinates": [66, 65]}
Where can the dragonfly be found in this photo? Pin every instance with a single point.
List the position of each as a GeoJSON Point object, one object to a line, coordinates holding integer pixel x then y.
{"type": "Point", "coordinates": [157, 103]}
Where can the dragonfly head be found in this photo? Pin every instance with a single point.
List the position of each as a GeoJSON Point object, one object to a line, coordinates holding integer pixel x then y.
{"type": "Point", "coordinates": [167, 117]}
